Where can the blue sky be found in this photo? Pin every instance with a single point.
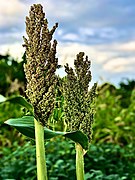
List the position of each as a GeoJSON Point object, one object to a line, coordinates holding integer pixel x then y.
{"type": "Point", "coordinates": [103, 29]}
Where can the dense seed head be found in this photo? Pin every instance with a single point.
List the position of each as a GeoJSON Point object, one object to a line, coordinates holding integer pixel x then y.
{"type": "Point", "coordinates": [78, 104]}
{"type": "Point", "coordinates": [41, 63]}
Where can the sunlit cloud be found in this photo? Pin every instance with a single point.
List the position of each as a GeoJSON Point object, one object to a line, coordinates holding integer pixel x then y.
{"type": "Point", "coordinates": [11, 12]}
{"type": "Point", "coordinates": [118, 65]}
{"type": "Point", "coordinates": [127, 46]}
{"type": "Point", "coordinates": [15, 50]}
{"type": "Point", "coordinates": [109, 61]}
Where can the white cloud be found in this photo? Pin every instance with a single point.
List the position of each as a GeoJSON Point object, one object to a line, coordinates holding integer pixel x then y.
{"type": "Point", "coordinates": [70, 37]}
{"type": "Point", "coordinates": [68, 51]}
{"type": "Point", "coordinates": [106, 62]}
{"type": "Point", "coordinates": [11, 11]}
{"type": "Point", "coordinates": [87, 22]}
{"type": "Point", "coordinates": [118, 65]}
{"type": "Point", "coordinates": [15, 50]}
{"type": "Point", "coordinates": [58, 9]}
{"type": "Point", "coordinates": [128, 46]}
{"type": "Point", "coordinates": [103, 57]}
{"type": "Point", "coordinates": [108, 32]}
{"type": "Point", "coordinates": [11, 7]}
{"type": "Point", "coordinates": [87, 31]}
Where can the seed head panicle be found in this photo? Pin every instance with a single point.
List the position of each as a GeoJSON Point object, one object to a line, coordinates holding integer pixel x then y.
{"type": "Point", "coordinates": [78, 100]}
{"type": "Point", "coordinates": [41, 63]}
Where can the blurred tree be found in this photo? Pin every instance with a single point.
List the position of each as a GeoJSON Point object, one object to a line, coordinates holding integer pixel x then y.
{"type": "Point", "coordinates": [125, 90]}
{"type": "Point", "coordinates": [11, 75]}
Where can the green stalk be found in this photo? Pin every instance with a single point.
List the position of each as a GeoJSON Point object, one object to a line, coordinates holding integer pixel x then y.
{"type": "Point", "coordinates": [40, 151]}
{"type": "Point", "coordinates": [79, 162]}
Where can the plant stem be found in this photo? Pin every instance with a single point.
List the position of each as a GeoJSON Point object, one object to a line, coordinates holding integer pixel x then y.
{"type": "Point", "coordinates": [79, 162]}
{"type": "Point", "coordinates": [40, 151]}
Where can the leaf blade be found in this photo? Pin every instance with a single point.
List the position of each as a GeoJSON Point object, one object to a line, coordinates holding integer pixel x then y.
{"type": "Point", "coordinates": [25, 125]}
{"type": "Point", "coordinates": [21, 101]}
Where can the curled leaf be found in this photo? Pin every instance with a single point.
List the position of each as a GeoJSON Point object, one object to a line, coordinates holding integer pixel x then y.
{"type": "Point", "coordinates": [25, 125]}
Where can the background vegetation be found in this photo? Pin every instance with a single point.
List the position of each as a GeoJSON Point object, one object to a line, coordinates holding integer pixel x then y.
{"type": "Point", "coordinates": [111, 154]}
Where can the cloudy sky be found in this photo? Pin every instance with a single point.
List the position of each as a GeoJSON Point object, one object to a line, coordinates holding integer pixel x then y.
{"type": "Point", "coordinates": [103, 29]}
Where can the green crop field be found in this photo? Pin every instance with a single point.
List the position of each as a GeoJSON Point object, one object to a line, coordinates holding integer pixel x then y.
{"type": "Point", "coordinates": [111, 154]}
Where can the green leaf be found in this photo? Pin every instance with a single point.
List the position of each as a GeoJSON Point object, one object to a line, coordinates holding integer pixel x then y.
{"type": "Point", "coordinates": [79, 137]}
{"type": "Point", "coordinates": [21, 101]}
{"type": "Point", "coordinates": [25, 125]}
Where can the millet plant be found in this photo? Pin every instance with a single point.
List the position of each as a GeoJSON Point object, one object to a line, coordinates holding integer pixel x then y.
{"type": "Point", "coordinates": [40, 67]}
{"type": "Point", "coordinates": [78, 101]}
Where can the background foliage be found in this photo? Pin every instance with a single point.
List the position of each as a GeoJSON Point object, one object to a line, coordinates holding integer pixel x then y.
{"type": "Point", "coordinates": [111, 154]}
